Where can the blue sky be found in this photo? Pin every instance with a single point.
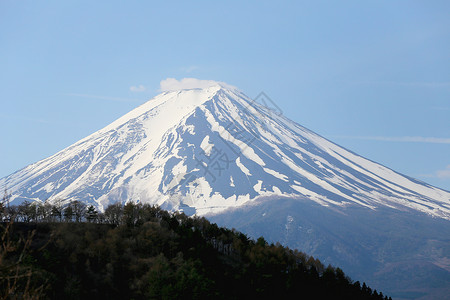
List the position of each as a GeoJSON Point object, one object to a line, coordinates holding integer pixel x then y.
{"type": "Point", "coordinates": [372, 76]}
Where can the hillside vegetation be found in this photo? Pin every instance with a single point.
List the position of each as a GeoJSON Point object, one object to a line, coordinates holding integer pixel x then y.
{"type": "Point", "coordinates": [140, 251]}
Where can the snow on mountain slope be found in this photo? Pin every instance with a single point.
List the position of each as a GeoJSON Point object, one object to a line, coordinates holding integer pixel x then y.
{"type": "Point", "coordinates": [205, 150]}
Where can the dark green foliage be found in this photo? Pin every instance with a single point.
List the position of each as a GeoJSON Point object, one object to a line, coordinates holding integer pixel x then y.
{"type": "Point", "coordinates": [91, 214]}
{"type": "Point", "coordinates": [142, 252]}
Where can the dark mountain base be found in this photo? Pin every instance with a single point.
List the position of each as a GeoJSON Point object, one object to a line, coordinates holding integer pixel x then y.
{"type": "Point", "coordinates": [404, 253]}
{"type": "Point", "coordinates": [149, 253]}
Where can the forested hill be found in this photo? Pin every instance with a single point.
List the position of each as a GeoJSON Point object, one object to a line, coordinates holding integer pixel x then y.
{"type": "Point", "coordinates": [142, 252]}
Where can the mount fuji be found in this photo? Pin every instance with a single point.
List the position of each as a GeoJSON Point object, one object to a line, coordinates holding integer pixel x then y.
{"type": "Point", "coordinates": [212, 151]}
{"type": "Point", "coordinates": [206, 150]}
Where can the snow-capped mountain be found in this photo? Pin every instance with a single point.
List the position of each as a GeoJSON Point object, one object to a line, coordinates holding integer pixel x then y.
{"type": "Point", "coordinates": [208, 149]}
{"type": "Point", "coordinates": [215, 152]}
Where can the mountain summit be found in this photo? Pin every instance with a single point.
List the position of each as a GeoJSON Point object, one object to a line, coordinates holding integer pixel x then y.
{"type": "Point", "coordinates": [207, 149]}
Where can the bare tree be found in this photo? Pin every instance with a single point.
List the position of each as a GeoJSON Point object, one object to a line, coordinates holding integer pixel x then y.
{"type": "Point", "coordinates": [79, 209]}
{"type": "Point", "coordinates": [4, 205]}
{"type": "Point", "coordinates": [57, 210]}
{"type": "Point", "coordinates": [113, 213]}
{"type": "Point", "coordinates": [15, 276]}
{"type": "Point", "coordinates": [68, 213]}
{"type": "Point", "coordinates": [44, 211]}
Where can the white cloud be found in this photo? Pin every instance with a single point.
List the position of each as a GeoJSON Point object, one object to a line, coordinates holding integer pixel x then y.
{"type": "Point", "coordinates": [440, 174]}
{"type": "Point", "coordinates": [172, 84]}
{"type": "Point", "coordinates": [404, 139]}
{"type": "Point", "coordinates": [407, 84]}
{"type": "Point", "coordinates": [443, 174]}
{"type": "Point", "coordinates": [137, 89]}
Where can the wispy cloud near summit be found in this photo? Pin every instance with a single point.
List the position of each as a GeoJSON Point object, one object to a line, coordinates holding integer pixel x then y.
{"type": "Point", "coordinates": [137, 89]}
{"type": "Point", "coordinates": [402, 139]}
{"type": "Point", "coordinates": [444, 174]}
{"type": "Point", "coordinates": [172, 84]}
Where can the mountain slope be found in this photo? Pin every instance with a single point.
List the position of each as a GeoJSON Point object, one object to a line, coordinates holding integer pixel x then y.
{"type": "Point", "coordinates": [205, 150]}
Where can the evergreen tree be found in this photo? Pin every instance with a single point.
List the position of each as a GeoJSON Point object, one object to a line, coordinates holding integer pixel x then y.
{"type": "Point", "coordinates": [91, 214]}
